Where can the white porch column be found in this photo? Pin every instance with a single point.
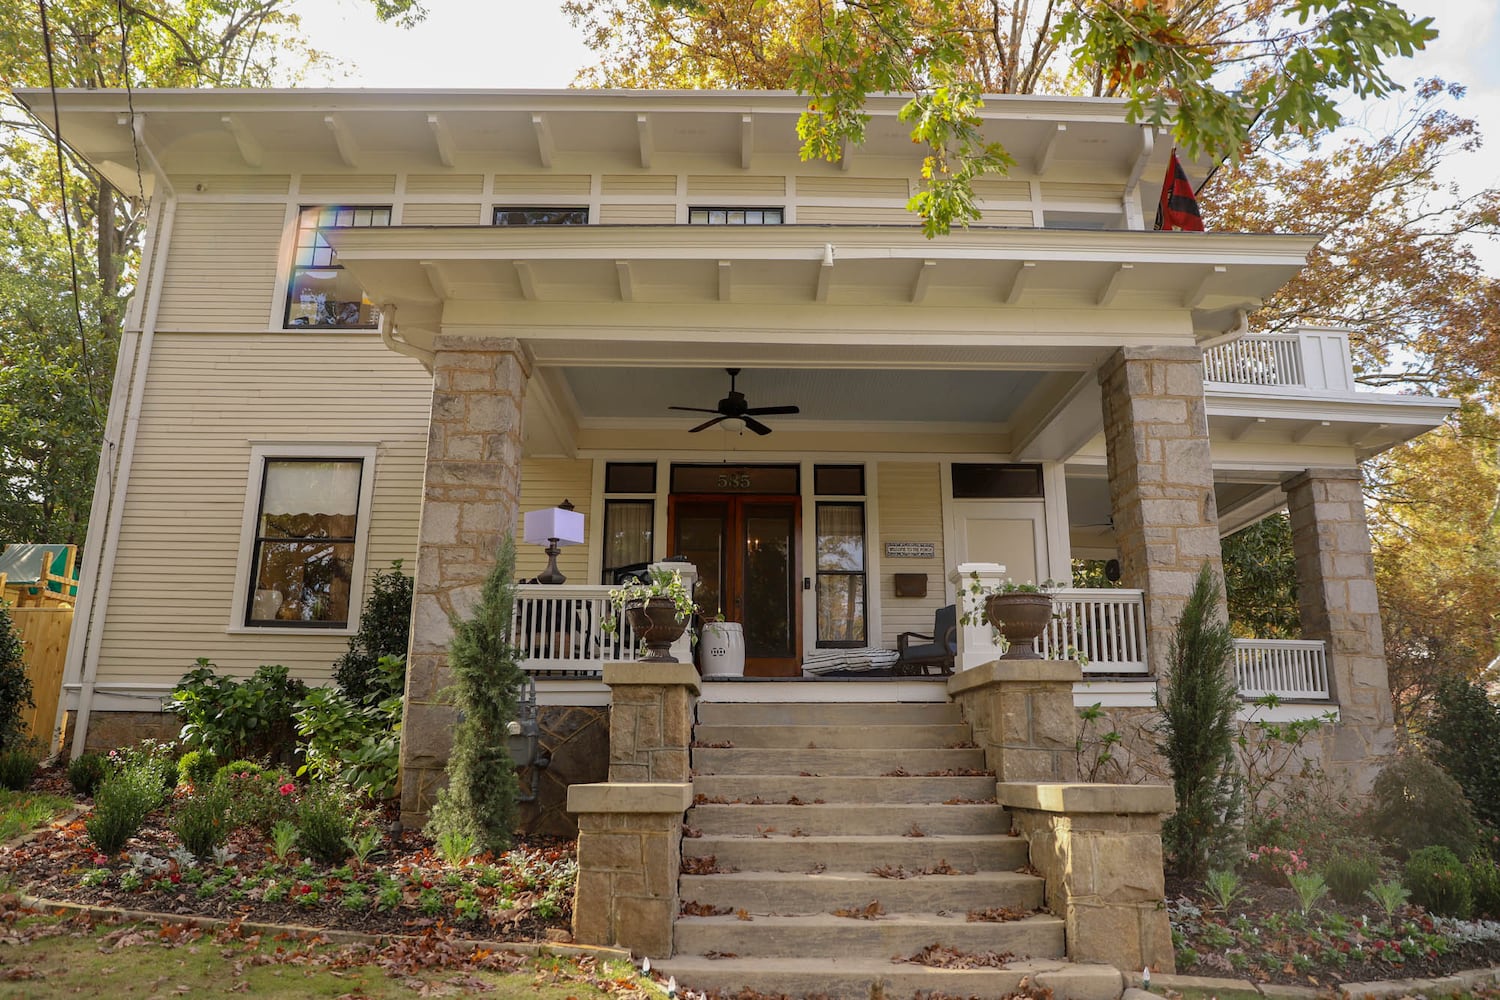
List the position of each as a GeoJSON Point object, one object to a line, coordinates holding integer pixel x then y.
{"type": "Point", "coordinates": [976, 642]}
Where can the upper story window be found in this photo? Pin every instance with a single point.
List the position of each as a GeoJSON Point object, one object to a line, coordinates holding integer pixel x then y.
{"type": "Point", "coordinates": [321, 294]}
{"type": "Point", "coordinates": [509, 216]}
{"type": "Point", "coordinates": [734, 216]}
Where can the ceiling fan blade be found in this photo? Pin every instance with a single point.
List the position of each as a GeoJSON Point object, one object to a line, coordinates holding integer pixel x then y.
{"type": "Point", "coordinates": [692, 409]}
{"type": "Point", "coordinates": [761, 411]}
{"type": "Point", "coordinates": [706, 424]}
{"type": "Point", "coordinates": [756, 426]}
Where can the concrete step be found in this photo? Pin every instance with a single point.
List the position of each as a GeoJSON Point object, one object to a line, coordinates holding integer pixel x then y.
{"type": "Point", "coordinates": [892, 736]}
{"type": "Point", "coordinates": [857, 853]}
{"type": "Point", "coordinates": [775, 789]}
{"type": "Point", "coordinates": [894, 818]}
{"type": "Point", "coordinates": [795, 760]}
{"type": "Point", "coordinates": [892, 935]}
{"type": "Point", "coordinates": [764, 893]}
{"type": "Point", "coordinates": [828, 714]}
{"type": "Point", "coordinates": [845, 978]}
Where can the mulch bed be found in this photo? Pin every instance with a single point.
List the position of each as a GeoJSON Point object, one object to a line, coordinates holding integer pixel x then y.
{"type": "Point", "coordinates": [405, 889]}
{"type": "Point", "coordinates": [1272, 957]}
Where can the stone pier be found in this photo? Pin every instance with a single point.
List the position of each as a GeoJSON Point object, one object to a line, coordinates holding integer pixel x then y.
{"type": "Point", "coordinates": [1023, 717]}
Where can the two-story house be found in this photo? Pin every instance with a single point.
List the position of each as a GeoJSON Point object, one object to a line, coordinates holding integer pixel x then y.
{"type": "Point", "coordinates": [377, 325]}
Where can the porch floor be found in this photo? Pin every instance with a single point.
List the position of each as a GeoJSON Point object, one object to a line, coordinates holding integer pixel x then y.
{"type": "Point", "coordinates": [825, 689]}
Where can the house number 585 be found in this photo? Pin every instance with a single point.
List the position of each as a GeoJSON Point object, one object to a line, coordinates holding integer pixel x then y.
{"type": "Point", "coordinates": [734, 480]}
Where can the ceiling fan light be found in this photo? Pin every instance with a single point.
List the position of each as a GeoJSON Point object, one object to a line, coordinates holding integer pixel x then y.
{"type": "Point", "coordinates": [733, 425]}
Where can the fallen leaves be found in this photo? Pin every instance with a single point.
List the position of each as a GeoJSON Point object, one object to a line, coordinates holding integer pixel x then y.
{"type": "Point", "coordinates": [706, 864]}
{"type": "Point", "coordinates": [691, 832]}
{"type": "Point", "coordinates": [941, 956]}
{"type": "Point", "coordinates": [870, 911]}
{"type": "Point", "coordinates": [693, 908]}
{"type": "Point", "coordinates": [722, 745]}
{"type": "Point", "coordinates": [996, 915]}
{"type": "Point", "coordinates": [915, 831]}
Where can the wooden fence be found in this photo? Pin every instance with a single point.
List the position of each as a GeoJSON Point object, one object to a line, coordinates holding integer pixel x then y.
{"type": "Point", "coordinates": [44, 630]}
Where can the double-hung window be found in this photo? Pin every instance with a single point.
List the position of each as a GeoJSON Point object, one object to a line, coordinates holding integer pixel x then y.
{"type": "Point", "coordinates": [304, 546]}
{"type": "Point", "coordinates": [629, 519]}
{"type": "Point", "coordinates": [842, 602]}
{"type": "Point", "coordinates": [321, 294]}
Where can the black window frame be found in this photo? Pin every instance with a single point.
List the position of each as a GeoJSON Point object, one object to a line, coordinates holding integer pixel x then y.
{"type": "Point", "coordinates": [709, 210]}
{"type": "Point", "coordinates": [864, 574]}
{"type": "Point", "coordinates": [496, 212]}
{"type": "Point", "coordinates": [331, 264]}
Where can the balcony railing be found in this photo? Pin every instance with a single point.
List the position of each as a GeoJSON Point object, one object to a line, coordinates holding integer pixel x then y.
{"type": "Point", "coordinates": [1309, 358]}
{"type": "Point", "coordinates": [1107, 628]}
{"type": "Point", "coordinates": [1287, 668]}
{"type": "Point", "coordinates": [558, 630]}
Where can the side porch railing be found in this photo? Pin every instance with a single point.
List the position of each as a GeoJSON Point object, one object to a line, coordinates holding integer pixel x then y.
{"type": "Point", "coordinates": [1287, 668]}
{"type": "Point", "coordinates": [559, 630]}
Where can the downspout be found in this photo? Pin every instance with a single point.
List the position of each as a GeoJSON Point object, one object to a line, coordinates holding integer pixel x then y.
{"type": "Point", "coordinates": [89, 620]}
{"type": "Point", "coordinates": [1240, 328]}
{"type": "Point", "coordinates": [395, 342]}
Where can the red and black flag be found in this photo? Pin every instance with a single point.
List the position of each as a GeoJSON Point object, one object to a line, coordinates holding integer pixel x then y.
{"type": "Point", "coordinates": [1178, 209]}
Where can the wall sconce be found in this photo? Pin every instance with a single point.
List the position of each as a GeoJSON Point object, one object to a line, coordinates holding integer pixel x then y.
{"type": "Point", "coordinates": [556, 527]}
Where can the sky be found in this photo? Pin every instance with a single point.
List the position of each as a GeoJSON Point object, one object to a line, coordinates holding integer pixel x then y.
{"type": "Point", "coordinates": [531, 44]}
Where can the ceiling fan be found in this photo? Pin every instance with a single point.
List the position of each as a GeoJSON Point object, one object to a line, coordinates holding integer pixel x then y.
{"type": "Point", "coordinates": [734, 413]}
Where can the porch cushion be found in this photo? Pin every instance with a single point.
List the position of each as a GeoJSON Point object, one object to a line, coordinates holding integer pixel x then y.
{"type": "Point", "coordinates": [825, 661]}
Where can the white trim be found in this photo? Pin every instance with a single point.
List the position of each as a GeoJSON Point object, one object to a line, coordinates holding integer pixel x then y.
{"type": "Point", "coordinates": [259, 453]}
{"type": "Point", "coordinates": [1114, 694]}
{"type": "Point", "coordinates": [1055, 514]}
{"type": "Point", "coordinates": [828, 690]}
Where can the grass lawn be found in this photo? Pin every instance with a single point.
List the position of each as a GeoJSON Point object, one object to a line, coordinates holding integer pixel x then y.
{"type": "Point", "coordinates": [43, 957]}
{"type": "Point", "coordinates": [21, 811]}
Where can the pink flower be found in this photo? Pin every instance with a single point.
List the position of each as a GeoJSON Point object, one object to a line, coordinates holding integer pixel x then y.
{"type": "Point", "coordinates": [287, 788]}
{"type": "Point", "coordinates": [100, 859]}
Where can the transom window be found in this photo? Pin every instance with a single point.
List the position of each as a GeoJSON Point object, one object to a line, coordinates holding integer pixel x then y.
{"type": "Point", "coordinates": [306, 526]}
{"type": "Point", "coordinates": [510, 216]}
{"type": "Point", "coordinates": [321, 294]}
{"type": "Point", "coordinates": [734, 216]}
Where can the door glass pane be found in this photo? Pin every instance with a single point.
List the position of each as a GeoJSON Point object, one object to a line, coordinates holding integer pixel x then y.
{"type": "Point", "coordinates": [841, 537]}
{"type": "Point", "coordinates": [700, 539]}
{"type": "Point", "coordinates": [770, 618]}
{"type": "Point", "coordinates": [841, 608]}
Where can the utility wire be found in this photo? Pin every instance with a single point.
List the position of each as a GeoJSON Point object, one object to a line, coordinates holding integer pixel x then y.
{"type": "Point", "coordinates": [62, 185]}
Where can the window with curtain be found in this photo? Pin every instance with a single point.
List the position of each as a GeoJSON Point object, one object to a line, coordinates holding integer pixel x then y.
{"type": "Point", "coordinates": [627, 536]}
{"type": "Point", "coordinates": [841, 596]}
{"type": "Point", "coordinates": [304, 543]}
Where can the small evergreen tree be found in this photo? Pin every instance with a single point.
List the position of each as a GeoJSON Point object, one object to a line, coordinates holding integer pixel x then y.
{"type": "Point", "coordinates": [15, 683]}
{"type": "Point", "coordinates": [1196, 735]}
{"type": "Point", "coordinates": [1464, 731]}
{"type": "Point", "coordinates": [384, 629]}
{"type": "Point", "coordinates": [480, 800]}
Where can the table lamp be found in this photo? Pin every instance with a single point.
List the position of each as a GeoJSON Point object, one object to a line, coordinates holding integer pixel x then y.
{"type": "Point", "coordinates": [555, 527]}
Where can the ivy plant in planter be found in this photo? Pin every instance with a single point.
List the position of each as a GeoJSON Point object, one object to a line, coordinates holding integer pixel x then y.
{"type": "Point", "coordinates": [1020, 612]}
{"type": "Point", "coordinates": [658, 611]}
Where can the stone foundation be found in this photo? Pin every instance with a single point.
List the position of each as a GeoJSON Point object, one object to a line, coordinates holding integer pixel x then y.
{"type": "Point", "coordinates": [1099, 849]}
{"type": "Point", "coordinates": [1022, 715]}
{"type": "Point", "coordinates": [576, 741]}
{"type": "Point", "coordinates": [108, 730]}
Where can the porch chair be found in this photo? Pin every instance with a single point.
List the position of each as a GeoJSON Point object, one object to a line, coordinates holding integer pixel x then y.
{"type": "Point", "coordinates": [939, 650]}
{"type": "Point", "coordinates": [28, 572]}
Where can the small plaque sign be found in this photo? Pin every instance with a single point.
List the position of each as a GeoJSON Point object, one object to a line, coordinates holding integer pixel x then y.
{"type": "Point", "coordinates": [910, 550]}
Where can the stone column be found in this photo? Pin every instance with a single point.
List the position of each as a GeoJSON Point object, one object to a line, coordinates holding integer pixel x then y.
{"type": "Point", "coordinates": [469, 503]}
{"type": "Point", "coordinates": [1023, 717]}
{"type": "Point", "coordinates": [1099, 849]}
{"type": "Point", "coordinates": [1161, 482]}
{"type": "Point", "coordinates": [1338, 604]}
{"type": "Point", "coordinates": [650, 720]}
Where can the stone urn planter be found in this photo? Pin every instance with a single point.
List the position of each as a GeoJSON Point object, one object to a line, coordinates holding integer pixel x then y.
{"type": "Point", "coordinates": [655, 623]}
{"type": "Point", "coordinates": [1021, 618]}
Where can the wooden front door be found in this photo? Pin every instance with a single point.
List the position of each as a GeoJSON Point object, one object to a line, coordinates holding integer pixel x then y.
{"type": "Point", "coordinates": [746, 551]}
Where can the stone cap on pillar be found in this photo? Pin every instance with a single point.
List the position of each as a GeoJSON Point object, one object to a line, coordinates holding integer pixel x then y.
{"type": "Point", "coordinates": [1016, 672]}
{"type": "Point", "coordinates": [1083, 797]}
{"type": "Point", "coordinates": [654, 798]}
{"type": "Point", "coordinates": [659, 674]}
{"type": "Point", "coordinates": [964, 571]}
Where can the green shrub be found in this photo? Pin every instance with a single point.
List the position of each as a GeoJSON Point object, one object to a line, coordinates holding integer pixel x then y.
{"type": "Point", "coordinates": [1484, 882]}
{"type": "Point", "coordinates": [201, 821]}
{"type": "Point", "coordinates": [1196, 735]}
{"type": "Point", "coordinates": [357, 744]}
{"type": "Point", "coordinates": [86, 771]}
{"type": "Point", "coordinates": [325, 823]}
{"type": "Point", "coordinates": [15, 683]}
{"type": "Point", "coordinates": [1350, 876]}
{"type": "Point", "coordinates": [1416, 805]}
{"type": "Point", "coordinates": [197, 768]}
{"type": "Point", "coordinates": [238, 768]}
{"type": "Point", "coordinates": [384, 629]}
{"type": "Point", "coordinates": [257, 797]}
{"type": "Point", "coordinates": [121, 804]}
{"type": "Point", "coordinates": [480, 799]}
{"type": "Point", "coordinates": [230, 718]}
{"type": "Point", "coordinates": [1464, 730]}
{"type": "Point", "coordinates": [17, 767]}
{"type": "Point", "coordinates": [1439, 882]}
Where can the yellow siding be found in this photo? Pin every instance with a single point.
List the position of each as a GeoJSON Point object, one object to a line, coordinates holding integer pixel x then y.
{"type": "Point", "coordinates": [221, 268]}
{"type": "Point", "coordinates": [911, 510]}
{"type": "Point", "coordinates": [637, 215]}
{"type": "Point", "coordinates": [419, 214]}
{"type": "Point", "coordinates": [853, 187]}
{"type": "Point", "coordinates": [1095, 193]}
{"type": "Point", "coordinates": [1006, 217]}
{"type": "Point", "coordinates": [992, 189]}
{"type": "Point", "coordinates": [638, 184]}
{"type": "Point", "coordinates": [444, 183]}
{"type": "Point", "coordinates": [854, 215]}
{"type": "Point", "coordinates": [547, 482]}
{"type": "Point", "coordinates": [737, 188]}
{"type": "Point", "coordinates": [233, 183]}
{"type": "Point", "coordinates": [570, 185]}
{"type": "Point", "coordinates": [179, 544]}
{"type": "Point", "coordinates": [348, 184]}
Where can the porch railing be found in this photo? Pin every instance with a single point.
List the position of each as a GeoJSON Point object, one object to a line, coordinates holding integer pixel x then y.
{"type": "Point", "coordinates": [1261, 359]}
{"type": "Point", "coordinates": [1287, 668]}
{"type": "Point", "coordinates": [1106, 627]}
{"type": "Point", "coordinates": [558, 629]}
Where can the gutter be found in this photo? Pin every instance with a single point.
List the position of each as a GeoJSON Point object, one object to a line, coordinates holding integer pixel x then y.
{"type": "Point", "coordinates": [88, 621]}
{"type": "Point", "coordinates": [393, 339]}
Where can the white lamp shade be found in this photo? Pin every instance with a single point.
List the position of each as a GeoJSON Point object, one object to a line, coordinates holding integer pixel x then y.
{"type": "Point", "coordinates": [541, 526]}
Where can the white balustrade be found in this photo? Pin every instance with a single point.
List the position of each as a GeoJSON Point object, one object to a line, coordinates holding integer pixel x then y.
{"type": "Point", "coordinates": [1272, 359]}
{"type": "Point", "coordinates": [1106, 627]}
{"type": "Point", "coordinates": [560, 628]}
{"type": "Point", "coordinates": [1287, 668]}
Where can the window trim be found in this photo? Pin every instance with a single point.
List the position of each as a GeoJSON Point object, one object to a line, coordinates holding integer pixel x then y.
{"type": "Point", "coordinates": [863, 503]}
{"type": "Point", "coordinates": [255, 479]}
{"type": "Point", "coordinates": [780, 209]}
{"type": "Point", "coordinates": [288, 275]}
{"type": "Point", "coordinates": [498, 207]}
